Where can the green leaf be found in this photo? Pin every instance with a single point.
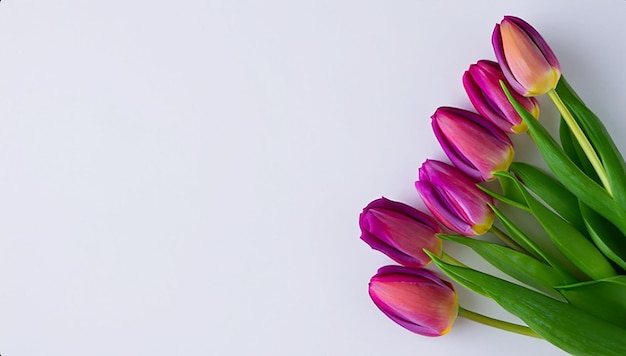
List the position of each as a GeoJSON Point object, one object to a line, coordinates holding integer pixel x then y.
{"type": "Point", "coordinates": [516, 202]}
{"type": "Point", "coordinates": [606, 236]}
{"type": "Point", "coordinates": [569, 241]}
{"type": "Point", "coordinates": [551, 191]}
{"type": "Point", "coordinates": [512, 193]}
{"type": "Point", "coordinates": [611, 158]}
{"type": "Point", "coordinates": [575, 152]}
{"type": "Point", "coordinates": [519, 236]}
{"type": "Point", "coordinates": [520, 266]}
{"type": "Point", "coordinates": [604, 298]}
{"type": "Point", "coordinates": [575, 180]}
{"type": "Point", "coordinates": [563, 325]}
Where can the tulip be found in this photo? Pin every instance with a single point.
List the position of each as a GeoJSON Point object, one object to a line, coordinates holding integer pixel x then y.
{"type": "Point", "coordinates": [454, 199]}
{"type": "Point", "coordinates": [482, 84]}
{"type": "Point", "coordinates": [527, 61]}
{"type": "Point", "coordinates": [400, 231]}
{"type": "Point", "coordinates": [474, 145]}
{"type": "Point", "coordinates": [416, 299]}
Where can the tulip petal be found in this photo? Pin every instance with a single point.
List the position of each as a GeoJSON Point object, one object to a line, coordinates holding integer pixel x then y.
{"type": "Point", "coordinates": [468, 143]}
{"type": "Point", "coordinates": [454, 199]}
{"type": "Point", "coordinates": [400, 232]}
{"type": "Point", "coordinates": [527, 61]}
{"type": "Point", "coordinates": [416, 299]}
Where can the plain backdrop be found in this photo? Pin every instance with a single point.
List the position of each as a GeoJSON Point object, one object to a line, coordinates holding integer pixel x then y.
{"type": "Point", "coordinates": [185, 177]}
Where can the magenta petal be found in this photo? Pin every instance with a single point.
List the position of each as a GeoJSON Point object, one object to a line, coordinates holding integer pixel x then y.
{"type": "Point", "coordinates": [496, 41]}
{"type": "Point", "coordinates": [400, 231]}
{"type": "Point", "coordinates": [474, 145]}
{"type": "Point", "coordinates": [454, 199]}
{"type": "Point", "coordinates": [527, 61]}
{"type": "Point", "coordinates": [416, 299]}
{"type": "Point", "coordinates": [537, 39]}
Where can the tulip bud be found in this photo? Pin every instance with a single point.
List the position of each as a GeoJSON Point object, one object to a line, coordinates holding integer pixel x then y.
{"type": "Point", "coordinates": [400, 231]}
{"type": "Point", "coordinates": [416, 299]}
{"type": "Point", "coordinates": [482, 84]}
{"type": "Point", "coordinates": [474, 145]}
{"type": "Point", "coordinates": [527, 61]}
{"type": "Point", "coordinates": [454, 199]}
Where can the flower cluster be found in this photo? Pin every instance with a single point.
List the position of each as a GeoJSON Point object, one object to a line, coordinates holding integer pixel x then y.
{"type": "Point", "coordinates": [581, 205]}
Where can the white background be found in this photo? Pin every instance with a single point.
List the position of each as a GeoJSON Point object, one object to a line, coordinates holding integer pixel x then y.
{"type": "Point", "coordinates": [185, 177]}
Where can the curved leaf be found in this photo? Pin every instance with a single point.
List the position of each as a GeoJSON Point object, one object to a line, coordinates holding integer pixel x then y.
{"type": "Point", "coordinates": [606, 236]}
{"type": "Point", "coordinates": [599, 137]}
{"type": "Point", "coordinates": [604, 298]}
{"type": "Point", "coordinates": [568, 173]}
{"type": "Point", "coordinates": [551, 191]}
{"type": "Point", "coordinates": [572, 244]}
{"type": "Point", "coordinates": [518, 265]}
{"type": "Point", "coordinates": [563, 325]}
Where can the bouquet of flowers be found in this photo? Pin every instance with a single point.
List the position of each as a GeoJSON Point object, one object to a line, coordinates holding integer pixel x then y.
{"type": "Point", "coordinates": [570, 285]}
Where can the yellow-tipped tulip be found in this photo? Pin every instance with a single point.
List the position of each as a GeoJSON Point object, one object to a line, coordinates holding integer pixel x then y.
{"type": "Point", "coordinates": [526, 60]}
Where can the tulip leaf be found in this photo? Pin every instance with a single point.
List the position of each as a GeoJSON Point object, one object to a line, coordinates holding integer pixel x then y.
{"type": "Point", "coordinates": [468, 284]}
{"type": "Point", "coordinates": [605, 298]}
{"type": "Point", "coordinates": [507, 198]}
{"type": "Point", "coordinates": [520, 266]}
{"type": "Point", "coordinates": [519, 236]}
{"type": "Point", "coordinates": [567, 327]}
{"type": "Point", "coordinates": [575, 152]}
{"type": "Point", "coordinates": [606, 236]}
{"type": "Point", "coordinates": [612, 160]}
{"type": "Point", "coordinates": [568, 173]}
{"type": "Point", "coordinates": [511, 192]}
{"type": "Point", "coordinates": [569, 241]}
{"type": "Point", "coordinates": [551, 191]}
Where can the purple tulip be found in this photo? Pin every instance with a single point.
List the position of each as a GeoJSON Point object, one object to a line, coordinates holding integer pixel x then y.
{"type": "Point", "coordinates": [474, 145]}
{"type": "Point", "coordinates": [527, 61]}
{"type": "Point", "coordinates": [482, 84]}
{"type": "Point", "coordinates": [416, 299]}
{"type": "Point", "coordinates": [400, 231]}
{"type": "Point", "coordinates": [454, 199]}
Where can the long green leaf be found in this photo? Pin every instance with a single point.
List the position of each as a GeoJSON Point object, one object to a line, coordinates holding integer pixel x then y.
{"type": "Point", "coordinates": [551, 191]}
{"type": "Point", "coordinates": [563, 325]}
{"type": "Point", "coordinates": [605, 236]}
{"type": "Point", "coordinates": [568, 173]}
{"type": "Point", "coordinates": [575, 152]}
{"type": "Point", "coordinates": [520, 237]}
{"type": "Point", "coordinates": [569, 241]}
{"type": "Point", "coordinates": [611, 158]}
{"type": "Point", "coordinates": [506, 199]}
{"type": "Point", "coordinates": [604, 298]}
{"type": "Point", "coordinates": [608, 238]}
{"type": "Point", "coordinates": [518, 265]}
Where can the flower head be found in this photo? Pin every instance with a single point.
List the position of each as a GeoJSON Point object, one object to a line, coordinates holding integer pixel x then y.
{"type": "Point", "coordinates": [527, 61]}
{"type": "Point", "coordinates": [482, 84]}
{"type": "Point", "coordinates": [454, 199]}
{"type": "Point", "coordinates": [416, 299]}
{"type": "Point", "coordinates": [400, 231]}
{"type": "Point", "coordinates": [474, 145]}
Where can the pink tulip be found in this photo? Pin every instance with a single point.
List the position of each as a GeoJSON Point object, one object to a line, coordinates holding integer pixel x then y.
{"type": "Point", "coordinates": [416, 299]}
{"type": "Point", "coordinates": [527, 61]}
{"type": "Point", "coordinates": [482, 84]}
{"type": "Point", "coordinates": [400, 231]}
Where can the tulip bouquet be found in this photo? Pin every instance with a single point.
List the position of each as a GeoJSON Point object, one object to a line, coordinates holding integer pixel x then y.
{"type": "Point", "coordinates": [570, 282]}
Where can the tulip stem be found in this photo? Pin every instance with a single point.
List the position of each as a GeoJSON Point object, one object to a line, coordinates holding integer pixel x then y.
{"type": "Point", "coordinates": [507, 240]}
{"type": "Point", "coordinates": [582, 139]}
{"type": "Point", "coordinates": [496, 323]}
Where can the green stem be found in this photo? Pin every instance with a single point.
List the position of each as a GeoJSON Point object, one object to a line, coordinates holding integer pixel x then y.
{"type": "Point", "coordinates": [496, 323]}
{"type": "Point", "coordinates": [582, 139]}
{"type": "Point", "coordinates": [507, 239]}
